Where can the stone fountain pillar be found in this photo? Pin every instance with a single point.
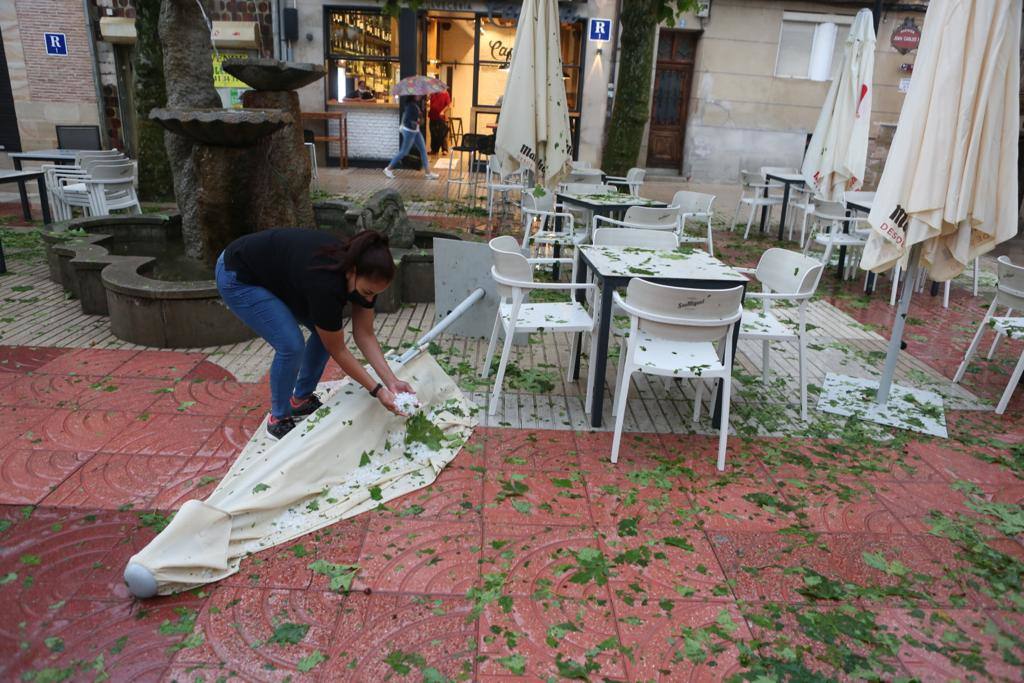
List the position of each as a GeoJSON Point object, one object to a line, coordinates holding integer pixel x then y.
{"type": "Point", "coordinates": [279, 187]}
{"type": "Point", "coordinates": [188, 73]}
{"type": "Point", "coordinates": [225, 158]}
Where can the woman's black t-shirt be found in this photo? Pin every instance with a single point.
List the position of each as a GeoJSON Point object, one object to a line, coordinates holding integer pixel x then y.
{"type": "Point", "coordinates": [283, 261]}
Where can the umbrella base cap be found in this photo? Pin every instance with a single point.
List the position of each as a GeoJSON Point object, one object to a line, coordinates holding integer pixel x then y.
{"type": "Point", "coordinates": [141, 582]}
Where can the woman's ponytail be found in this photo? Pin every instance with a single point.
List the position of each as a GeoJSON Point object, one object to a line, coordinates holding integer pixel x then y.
{"type": "Point", "coordinates": [368, 252]}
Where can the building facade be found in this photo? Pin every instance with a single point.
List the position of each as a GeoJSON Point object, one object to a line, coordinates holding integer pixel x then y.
{"type": "Point", "coordinates": [737, 86]}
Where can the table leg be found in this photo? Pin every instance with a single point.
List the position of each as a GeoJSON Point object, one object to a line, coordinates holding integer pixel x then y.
{"type": "Point", "coordinates": [870, 287]}
{"type": "Point", "coordinates": [764, 212]}
{"type": "Point", "coordinates": [599, 363]}
{"type": "Point", "coordinates": [785, 206]}
{"type": "Point", "coordinates": [842, 251]}
{"type": "Point", "coordinates": [21, 191]}
{"type": "Point", "coordinates": [44, 202]}
{"type": "Point", "coordinates": [581, 298]}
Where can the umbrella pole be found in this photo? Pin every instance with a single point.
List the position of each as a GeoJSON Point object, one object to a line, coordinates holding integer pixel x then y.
{"type": "Point", "coordinates": [885, 383]}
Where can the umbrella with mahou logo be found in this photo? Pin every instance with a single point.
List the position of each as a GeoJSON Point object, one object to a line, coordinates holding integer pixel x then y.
{"type": "Point", "coordinates": [533, 128]}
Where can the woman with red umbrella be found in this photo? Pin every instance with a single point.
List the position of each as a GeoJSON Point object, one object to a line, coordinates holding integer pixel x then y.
{"type": "Point", "coordinates": [415, 88]}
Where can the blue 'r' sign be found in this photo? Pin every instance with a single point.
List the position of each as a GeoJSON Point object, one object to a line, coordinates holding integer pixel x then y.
{"type": "Point", "coordinates": [56, 44]}
{"type": "Point", "coordinates": [600, 29]}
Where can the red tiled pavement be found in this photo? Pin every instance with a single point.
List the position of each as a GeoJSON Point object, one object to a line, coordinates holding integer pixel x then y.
{"type": "Point", "coordinates": [531, 557]}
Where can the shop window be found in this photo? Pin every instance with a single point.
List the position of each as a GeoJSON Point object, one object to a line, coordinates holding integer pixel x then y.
{"type": "Point", "coordinates": [811, 45]}
{"type": "Point", "coordinates": [362, 46]}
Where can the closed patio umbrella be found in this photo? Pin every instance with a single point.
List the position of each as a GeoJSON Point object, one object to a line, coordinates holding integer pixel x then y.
{"type": "Point", "coordinates": [533, 128]}
{"type": "Point", "coordinates": [949, 189]}
{"type": "Point", "coordinates": [838, 151]}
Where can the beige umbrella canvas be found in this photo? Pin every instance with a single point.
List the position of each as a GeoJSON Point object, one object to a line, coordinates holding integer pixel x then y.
{"type": "Point", "coordinates": [533, 127]}
{"type": "Point", "coordinates": [838, 151]}
{"type": "Point", "coordinates": [949, 188]}
{"type": "Point", "coordinates": [349, 457]}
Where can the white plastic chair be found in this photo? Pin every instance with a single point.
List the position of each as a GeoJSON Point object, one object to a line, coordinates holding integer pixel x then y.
{"type": "Point", "coordinates": [642, 218]}
{"type": "Point", "coordinates": [752, 188]}
{"type": "Point", "coordinates": [633, 180]}
{"type": "Point", "coordinates": [513, 274]}
{"type": "Point", "coordinates": [827, 231]}
{"type": "Point", "coordinates": [500, 183]}
{"type": "Point", "coordinates": [662, 240]}
{"type": "Point", "coordinates": [1009, 293]}
{"type": "Point", "coordinates": [587, 176]}
{"type": "Point", "coordinates": [576, 165]}
{"type": "Point", "coordinates": [694, 205]}
{"type": "Point", "coordinates": [673, 332]}
{"type": "Point", "coordinates": [111, 186]}
{"type": "Point", "coordinates": [784, 276]}
{"type": "Point", "coordinates": [543, 212]}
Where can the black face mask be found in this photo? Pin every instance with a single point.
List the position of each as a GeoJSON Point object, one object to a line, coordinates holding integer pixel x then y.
{"type": "Point", "coordinates": [358, 299]}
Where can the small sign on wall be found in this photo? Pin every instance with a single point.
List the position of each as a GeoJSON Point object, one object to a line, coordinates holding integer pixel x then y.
{"type": "Point", "coordinates": [600, 30]}
{"type": "Point", "coordinates": [904, 85]}
{"type": "Point", "coordinates": [56, 44]}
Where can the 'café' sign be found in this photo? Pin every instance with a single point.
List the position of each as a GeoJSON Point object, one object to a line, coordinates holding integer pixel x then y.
{"type": "Point", "coordinates": [906, 37]}
{"type": "Point", "coordinates": [500, 53]}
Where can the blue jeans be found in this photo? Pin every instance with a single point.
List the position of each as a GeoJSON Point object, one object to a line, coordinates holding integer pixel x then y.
{"type": "Point", "coordinates": [408, 140]}
{"type": "Point", "coordinates": [298, 364]}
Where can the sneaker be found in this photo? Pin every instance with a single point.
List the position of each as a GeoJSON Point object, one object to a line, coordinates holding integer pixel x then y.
{"type": "Point", "coordinates": [431, 176]}
{"type": "Point", "coordinates": [278, 428]}
{"type": "Point", "coordinates": [389, 173]}
{"type": "Point", "coordinates": [307, 406]}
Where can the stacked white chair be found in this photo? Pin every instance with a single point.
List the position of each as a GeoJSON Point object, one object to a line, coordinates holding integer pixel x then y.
{"type": "Point", "coordinates": [633, 180]}
{"type": "Point", "coordinates": [100, 182]}
{"type": "Point", "coordinates": [679, 333]}
{"type": "Point", "coordinates": [1009, 293]}
{"type": "Point", "coordinates": [513, 274]}
{"type": "Point", "coordinates": [785, 276]}
{"type": "Point", "coordinates": [695, 206]}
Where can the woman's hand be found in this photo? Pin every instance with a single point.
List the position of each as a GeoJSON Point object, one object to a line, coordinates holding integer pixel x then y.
{"type": "Point", "coordinates": [387, 399]}
{"type": "Point", "coordinates": [400, 387]}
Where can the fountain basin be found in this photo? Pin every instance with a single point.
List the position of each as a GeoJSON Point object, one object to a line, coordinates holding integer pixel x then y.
{"type": "Point", "coordinates": [133, 269]}
{"type": "Point", "coordinates": [273, 74]}
{"type": "Point", "coordinates": [222, 127]}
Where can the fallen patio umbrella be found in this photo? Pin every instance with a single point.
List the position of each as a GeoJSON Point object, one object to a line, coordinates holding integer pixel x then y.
{"type": "Point", "coordinates": [949, 188]}
{"type": "Point", "coordinates": [347, 458]}
{"type": "Point", "coordinates": [533, 127]}
{"type": "Point", "coordinates": [838, 150]}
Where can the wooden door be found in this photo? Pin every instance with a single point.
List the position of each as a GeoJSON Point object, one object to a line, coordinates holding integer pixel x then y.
{"type": "Point", "coordinates": [670, 102]}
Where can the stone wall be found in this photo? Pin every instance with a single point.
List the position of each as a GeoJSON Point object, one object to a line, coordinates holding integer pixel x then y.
{"type": "Point", "coordinates": [48, 90]}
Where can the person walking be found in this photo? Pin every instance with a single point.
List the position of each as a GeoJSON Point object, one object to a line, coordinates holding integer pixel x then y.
{"type": "Point", "coordinates": [410, 134]}
{"type": "Point", "coordinates": [437, 115]}
{"type": "Point", "coordinates": [276, 280]}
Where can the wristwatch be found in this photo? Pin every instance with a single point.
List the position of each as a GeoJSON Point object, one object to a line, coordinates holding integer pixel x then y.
{"type": "Point", "coordinates": [373, 392]}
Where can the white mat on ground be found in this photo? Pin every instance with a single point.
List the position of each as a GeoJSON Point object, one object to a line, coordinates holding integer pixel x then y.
{"type": "Point", "coordinates": [918, 410]}
{"type": "Point", "coordinates": [347, 458]}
